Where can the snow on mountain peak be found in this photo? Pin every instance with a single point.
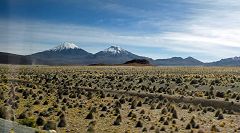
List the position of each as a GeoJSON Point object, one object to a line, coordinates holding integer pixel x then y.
{"type": "Point", "coordinates": [114, 50]}
{"type": "Point", "coordinates": [65, 45]}
{"type": "Point", "coordinates": [236, 58]}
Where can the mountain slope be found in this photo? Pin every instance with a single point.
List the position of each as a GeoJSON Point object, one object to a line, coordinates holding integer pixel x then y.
{"type": "Point", "coordinates": [8, 58]}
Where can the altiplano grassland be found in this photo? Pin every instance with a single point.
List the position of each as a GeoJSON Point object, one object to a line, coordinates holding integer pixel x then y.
{"type": "Point", "coordinates": [104, 99]}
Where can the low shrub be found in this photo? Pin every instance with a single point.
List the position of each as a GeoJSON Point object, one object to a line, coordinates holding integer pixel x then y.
{"type": "Point", "coordinates": [30, 122]}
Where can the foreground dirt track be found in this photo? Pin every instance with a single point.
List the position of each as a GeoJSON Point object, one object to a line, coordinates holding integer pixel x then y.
{"type": "Point", "coordinates": [178, 99]}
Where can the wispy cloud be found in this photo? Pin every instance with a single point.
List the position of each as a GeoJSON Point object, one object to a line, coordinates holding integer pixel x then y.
{"type": "Point", "coordinates": [205, 29]}
{"type": "Point", "coordinates": [25, 38]}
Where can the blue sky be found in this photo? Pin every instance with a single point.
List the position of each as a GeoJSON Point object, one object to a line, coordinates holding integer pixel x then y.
{"type": "Point", "coordinates": [205, 29]}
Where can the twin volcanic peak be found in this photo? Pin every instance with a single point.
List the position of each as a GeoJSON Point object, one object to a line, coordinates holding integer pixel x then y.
{"type": "Point", "coordinates": [69, 53]}
{"type": "Point", "coordinates": [71, 46]}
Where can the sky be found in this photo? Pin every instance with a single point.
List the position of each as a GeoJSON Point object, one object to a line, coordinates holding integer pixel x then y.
{"type": "Point", "coordinates": [207, 30]}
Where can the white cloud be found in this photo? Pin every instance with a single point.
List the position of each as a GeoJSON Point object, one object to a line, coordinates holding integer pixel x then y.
{"type": "Point", "coordinates": [25, 38]}
{"type": "Point", "coordinates": [212, 31]}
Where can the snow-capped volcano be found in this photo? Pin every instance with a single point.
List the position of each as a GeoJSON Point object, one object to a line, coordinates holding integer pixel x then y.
{"type": "Point", "coordinates": [65, 46]}
{"type": "Point", "coordinates": [114, 55]}
{"type": "Point", "coordinates": [65, 53]}
{"type": "Point", "coordinates": [114, 50]}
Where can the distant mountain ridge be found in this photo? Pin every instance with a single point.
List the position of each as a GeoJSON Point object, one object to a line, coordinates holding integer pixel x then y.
{"type": "Point", "coordinates": [234, 61]}
{"type": "Point", "coordinates": [70, 54]}
{"type": "Point", "coordinates": [178, 61]}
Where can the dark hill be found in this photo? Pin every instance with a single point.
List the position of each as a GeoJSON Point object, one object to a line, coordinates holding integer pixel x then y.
{"type": "Point", "coordinates": [138, 61]}
{"type": "Point", "coordinates": [8, 58]}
